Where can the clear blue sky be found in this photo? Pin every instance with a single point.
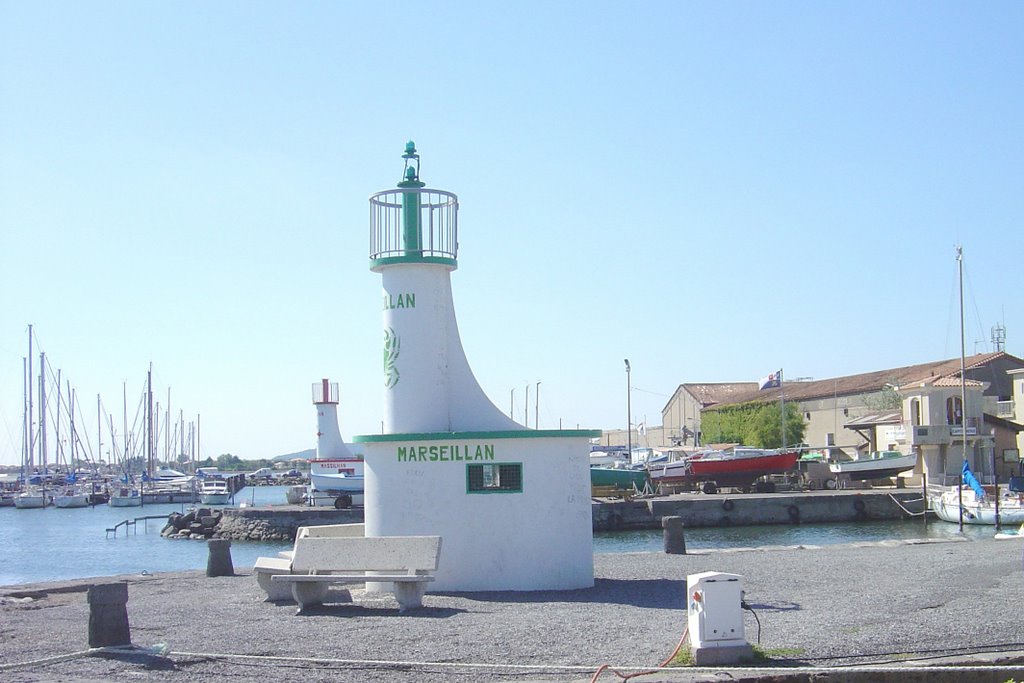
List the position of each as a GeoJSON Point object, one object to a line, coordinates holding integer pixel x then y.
{"type": "Point", "coordinates": [712, 190]}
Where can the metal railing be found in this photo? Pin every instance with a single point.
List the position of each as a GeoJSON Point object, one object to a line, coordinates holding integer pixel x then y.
{"type": "Point", "coordinates": [1005, 409]}
{"type": "Point", "coordinates": [436, 224]}
{"type": "Point", "coordinates": [130, 523]}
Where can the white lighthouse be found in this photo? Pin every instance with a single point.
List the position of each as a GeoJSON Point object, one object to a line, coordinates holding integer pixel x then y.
{"type": "Point", "coordinates": [512, 504]}
{"type": "Point", "coordinates": [329, 444]}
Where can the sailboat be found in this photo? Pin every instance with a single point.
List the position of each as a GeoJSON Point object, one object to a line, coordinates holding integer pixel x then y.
{"type": "Point", "coordinates": [33, 496]}
{"type": "Point", "coordinates": [969, 502]}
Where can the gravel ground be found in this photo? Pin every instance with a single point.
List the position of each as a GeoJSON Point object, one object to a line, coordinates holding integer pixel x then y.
{"type": "Point", "coordinates": [829, 606]}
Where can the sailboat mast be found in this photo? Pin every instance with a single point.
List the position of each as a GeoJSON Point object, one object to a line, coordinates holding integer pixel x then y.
{"type": "Point", "coordinates": [71, 428]}
{"type": "Point", "coordinates": [963, 384]}
{"type": "Point", "coordinates": [124, 420]}
{"type": "Point", "coordinates": [31, 432]}
{"type": "Point", "coordinates": [42, 411]}
{"type": "Point", "coordinates": [167, 430]}
{"type": "Point", "coordinates": [26, 416]}
{"type": "Point", "coordinates": [963, 352]}
{"type": "Point", "coordinates": [59, 455]}
{"type": "Point", "coordinates": [149, 421]}
{"type": "Point", "coordinates": [99, 429]}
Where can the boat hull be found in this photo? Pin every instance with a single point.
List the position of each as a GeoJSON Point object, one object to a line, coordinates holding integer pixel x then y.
{"type": "Point", "coordinates": [30, 501]}
{"type": "Point", "coordinates": [337, 476]}
{"type": "Point", "coordinates": [214, 498]}
{"type": "Point", "coordinates": [73, 500]}
{"type": "Point", "coordinates": [742, 471]}
{"type": "Point", "coordinates": [947, 508]}
{"type": "Point", "coordinates": [677, 472]}
{"type": "Point", "coordinates": [618, 477]}
{"type": "Point", "coordinates": [880, 468]}
{"type": "Point", "coordinates": [340, 483]}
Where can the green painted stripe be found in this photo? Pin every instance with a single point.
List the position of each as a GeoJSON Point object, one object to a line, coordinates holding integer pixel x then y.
{"type": "Point", "coordinates": [513, 434]}
{"type": "Point", "coordinates": [376, 263]}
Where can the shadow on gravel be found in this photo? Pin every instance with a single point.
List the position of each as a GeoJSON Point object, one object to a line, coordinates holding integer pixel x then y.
{"type": "Point", "coordinates": [146, 661]}
{"type": "Point", "coordinates": [350, 610]}
{"type": "Point", "coordinates": [648, 593]}
{"type": "Point", "coordinates": [777, 606]}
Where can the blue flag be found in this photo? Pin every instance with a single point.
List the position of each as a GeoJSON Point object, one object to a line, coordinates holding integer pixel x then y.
{"type": "Point", "coordinates": [972, 481]}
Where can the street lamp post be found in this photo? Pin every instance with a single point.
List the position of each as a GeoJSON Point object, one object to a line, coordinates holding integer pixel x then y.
{"type": "Point", "coordinates": [536, 406]}
{"type": "Point", "coordinates": [629, 415]}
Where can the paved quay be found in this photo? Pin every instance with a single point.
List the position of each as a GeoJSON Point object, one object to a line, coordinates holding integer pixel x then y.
{"type": "Point", "coordinates": [824, 612]}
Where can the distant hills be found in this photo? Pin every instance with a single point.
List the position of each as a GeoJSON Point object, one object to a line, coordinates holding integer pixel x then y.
{"type": "Point", "coordinates": [307, 454]}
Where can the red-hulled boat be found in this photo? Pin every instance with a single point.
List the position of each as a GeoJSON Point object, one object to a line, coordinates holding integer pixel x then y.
{"type": "Point", "coordinates": [738, 466]}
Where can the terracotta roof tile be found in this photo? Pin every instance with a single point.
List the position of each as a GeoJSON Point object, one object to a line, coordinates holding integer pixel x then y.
{"type": "Point", "coordinates": [943, 371]}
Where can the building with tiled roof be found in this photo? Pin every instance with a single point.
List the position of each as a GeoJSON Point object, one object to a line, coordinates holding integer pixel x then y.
{"type": "Point", "coordinates": [916, 408]}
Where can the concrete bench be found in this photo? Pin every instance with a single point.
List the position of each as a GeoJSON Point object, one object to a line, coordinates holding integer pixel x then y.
{"type": "Point", "coordinates": [407, 562]}
{"type": "Point", "coordinates": [266, 567]}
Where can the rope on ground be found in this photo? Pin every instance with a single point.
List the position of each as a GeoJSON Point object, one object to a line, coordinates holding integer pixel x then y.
{"type": "Point", "coordinates": [163, 651]}
{"type": "Point", "coordinates": [159, 650]}
{"type": "Point", "coordinates": [626, 677]}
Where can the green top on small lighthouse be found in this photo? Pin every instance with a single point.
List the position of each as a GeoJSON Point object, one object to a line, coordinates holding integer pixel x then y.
{"type": "Point", "coordinates": [411, 175]}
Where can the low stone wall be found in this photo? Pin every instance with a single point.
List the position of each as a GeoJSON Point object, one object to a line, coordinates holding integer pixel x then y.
{"type": "Point", "coordinates": [281, 523]}
{"type": "Point", "coordinates": [699, 510]}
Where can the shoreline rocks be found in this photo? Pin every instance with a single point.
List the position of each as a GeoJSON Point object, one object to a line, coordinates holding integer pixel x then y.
{"type": "Point", "coordinates": [252, 524]}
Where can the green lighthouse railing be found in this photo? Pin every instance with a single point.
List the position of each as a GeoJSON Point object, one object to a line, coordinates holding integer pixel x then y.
{"type": "Point", "coordinates": [413, 224]}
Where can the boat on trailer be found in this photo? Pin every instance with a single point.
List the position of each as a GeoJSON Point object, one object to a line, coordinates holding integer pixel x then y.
{"type": "Point", "coordinates": [876, 465]}
{"type": "Point", "coordinates": [735, 466]}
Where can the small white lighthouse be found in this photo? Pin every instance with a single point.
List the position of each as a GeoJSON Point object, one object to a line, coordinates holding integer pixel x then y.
{"type": "Point", "coordinates": [512, 504]}
{"type": "Point", "coordinates": [329, 444]}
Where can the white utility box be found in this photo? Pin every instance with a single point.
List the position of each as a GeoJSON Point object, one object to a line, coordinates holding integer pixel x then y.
{"type": "Point", "coordinates": [714, 615]}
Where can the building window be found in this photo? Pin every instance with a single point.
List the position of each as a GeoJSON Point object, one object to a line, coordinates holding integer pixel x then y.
{"type": "Point", "coordinates": [954, 411]}
{"type": "Point", "coordinates": [499, 477]}
{"type": "Point", "coordinates": [915, 412]}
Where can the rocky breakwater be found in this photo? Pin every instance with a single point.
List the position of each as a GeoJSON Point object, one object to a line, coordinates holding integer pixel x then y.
{"type": "Point", "coordinates": [275, 523]}
{"type": "Point", "coordinates": [198, 524]}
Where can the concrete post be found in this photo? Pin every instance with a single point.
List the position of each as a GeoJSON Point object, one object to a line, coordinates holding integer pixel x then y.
{"type": "Point", "coordinates": [219, 561]}
{"type": "Point", "coordinates": [108, 615]}
{"type": "Point", "coordinates": [675, 541]}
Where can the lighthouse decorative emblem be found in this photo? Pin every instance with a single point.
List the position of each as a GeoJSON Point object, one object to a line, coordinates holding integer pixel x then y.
{"type": "Point", "coordinates": [392, 346]}
{"type": "Point", "coordinates": [414, 246]}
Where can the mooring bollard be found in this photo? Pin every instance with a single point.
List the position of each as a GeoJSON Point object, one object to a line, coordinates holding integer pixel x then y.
{"type": "Point", "coordinates": [219, 561]}
{"type": "Point", "coordinates": [108, 615]}
{"type": "Point", "coordinates": [675, 541]}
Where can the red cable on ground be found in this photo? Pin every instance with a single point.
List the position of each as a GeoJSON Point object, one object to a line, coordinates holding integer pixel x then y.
{"type": "Point", "coordinates": [626, 677]}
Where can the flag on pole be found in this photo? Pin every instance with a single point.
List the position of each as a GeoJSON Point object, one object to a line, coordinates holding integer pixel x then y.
{"type": "Point", "coordinates": [771, 381]}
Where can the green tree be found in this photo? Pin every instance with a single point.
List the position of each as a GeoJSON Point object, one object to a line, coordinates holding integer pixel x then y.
{"type": "Point", "coordinates": [228, 462]}
{"type": "Point", "coordinates": [766, 426]}
{"type": "Point", "coordinates": [756, 423]}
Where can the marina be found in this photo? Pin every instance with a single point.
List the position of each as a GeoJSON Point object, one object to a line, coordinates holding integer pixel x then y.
{"type": "Point", "coordinates": [79, 536]}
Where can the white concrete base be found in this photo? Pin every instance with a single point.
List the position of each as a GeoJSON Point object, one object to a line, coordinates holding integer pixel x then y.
{"type": "Point", "coordinates": [718, 656]}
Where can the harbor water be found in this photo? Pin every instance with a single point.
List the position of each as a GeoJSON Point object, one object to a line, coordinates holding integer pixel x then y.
{"type": "Point", "coordinates": [54, 544]}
